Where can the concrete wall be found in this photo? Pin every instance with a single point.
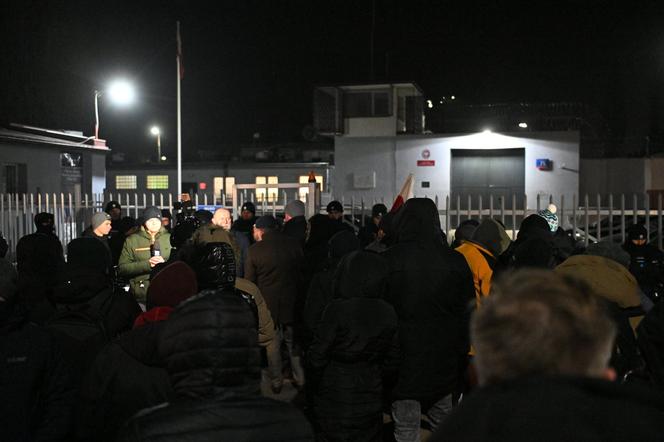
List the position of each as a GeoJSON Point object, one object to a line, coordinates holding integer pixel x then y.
{"type": "Point", "coordinates": [393, 158]}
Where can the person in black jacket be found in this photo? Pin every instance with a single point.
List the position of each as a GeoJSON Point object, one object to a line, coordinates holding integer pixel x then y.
{"type": "Point", "coordinates": [542, 344]}
{"type": "Point", "coordinates": [295, 224]}
{"type": "Point", "coordinates": [355, 340]}
{"type": "Point", "coordinates": [39, 260]}
{"type": "Point", "coordinates": [34, 381]}
{"type": "Point", "coordinates": [86, 293]}
{"type": "Point", "coordinates": [210, 347]}
{"type": "Point", "coordinates": [320, 293]}
{"type": "Point", "coordinates": [128, 374]}
{"type": "Point", "coordinates": [646, 263]}
{"type": "Point", "coordinates": [431, 289]}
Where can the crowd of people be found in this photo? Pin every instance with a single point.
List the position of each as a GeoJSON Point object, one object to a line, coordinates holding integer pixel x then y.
{"type": "Point", "coordinates": [189, 327]}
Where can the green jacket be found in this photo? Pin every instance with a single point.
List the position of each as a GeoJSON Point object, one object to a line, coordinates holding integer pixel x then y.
{"type": "Point", "coordinates": [134, 260]}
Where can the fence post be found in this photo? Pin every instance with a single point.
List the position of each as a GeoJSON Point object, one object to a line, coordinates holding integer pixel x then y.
{"type": "Point", "coordinates": [611, 217]}
{"type": "Point", "coordinates": [458, 210]}
{"type": "Point", "coordinates": [622, 217]}
{"type": "Point", "coordinates": [312, 200]}
{"type": "Point", "coordinates": [635, 209]}
{"type": "Point", "coordinates": [479, 207]}
{"type": "Point", "coordinates": [599, 217]}
{"type": "Point", "coordinates": [646, 201]}
{"type": "Point", "coordinates": [562, 210]}
{"type": "Point", "coordinates": [513, 216]}
{"type": "Point", "coordinates": [659, 221]}
{"type": "Point", "coordinates": [586, 223]}
{"type": "Point", "coordinates": [362, 214]}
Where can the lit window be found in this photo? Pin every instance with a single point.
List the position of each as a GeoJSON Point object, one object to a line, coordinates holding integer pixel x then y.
{"type": "Point", "coordinates": [271, 193]}
{"type": "Point", "coordinates": [304, 191]}
{"type": "Point", "coordinates": [125, 182]}
{"type": "Point", "coordinates": [157, 182]}
{"type": "Point", "coordinates": [223, 184]}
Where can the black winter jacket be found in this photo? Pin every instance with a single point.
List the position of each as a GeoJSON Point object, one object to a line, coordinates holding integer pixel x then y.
{"type": "Point", "coordinates": [210, 347]}
{"type": "Point", "coordinates": [354, 342]}
{"type": "Point", "coordinates": [431, 289]}
{"type": "Point", "coordinates": [126, 377]}
{"type": "Point", "coordinates": [555, 409]}
{"type": "Point", "coordinates": [34, 383]}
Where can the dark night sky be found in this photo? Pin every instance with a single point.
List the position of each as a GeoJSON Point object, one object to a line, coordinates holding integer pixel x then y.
{"type": "Point", "coordinates": [250, 66]}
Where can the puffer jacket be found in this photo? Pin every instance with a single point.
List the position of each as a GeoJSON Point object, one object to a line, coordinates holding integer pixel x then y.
{"type": "Point", "coordinates": [431, 289]}
{"type": "Point", "coordinates": [355, 341]}
{"type": "Point", "coordinates": [209, 233]}
{"type": "Point", "coordinates": [210, 348]}
{"type": "Point", "coordinates": [134, 260]}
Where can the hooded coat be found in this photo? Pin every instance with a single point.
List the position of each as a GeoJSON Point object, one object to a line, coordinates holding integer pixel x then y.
{"type": "Point", "coordinates": [320, 292]}
{"type": "Point", "coordinates": [534, 245]}
{"type": "Point", "coordinates": [431, 289]}
{"type": "Point", "coordinates": [354, 342]}
{"type": "Point", "coordinates": [488, 242]}
{"type": "Point", "coordinates": [210, 348]}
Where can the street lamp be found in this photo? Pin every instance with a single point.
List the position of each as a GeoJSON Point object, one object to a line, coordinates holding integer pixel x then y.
{"type": "Point", "coordinates": [154, 130]}
{"type": "Point", "coordinates": [120, 92]}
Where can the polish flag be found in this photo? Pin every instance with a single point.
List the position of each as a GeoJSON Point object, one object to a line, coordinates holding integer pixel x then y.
{"type": "Point", "coordinates": [404, 195]}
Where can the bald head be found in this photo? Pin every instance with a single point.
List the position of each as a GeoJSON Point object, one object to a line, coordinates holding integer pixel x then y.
{"type": "Point", "coordinates": [222, 218]}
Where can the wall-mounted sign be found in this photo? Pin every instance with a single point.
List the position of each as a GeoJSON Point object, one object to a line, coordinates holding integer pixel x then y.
{"type": "Point", "coordinates": [426, 163]}
{"type": "Point", "coordinates": [426, 153]}
{"type": "Point", "coordinates": [544, 164]}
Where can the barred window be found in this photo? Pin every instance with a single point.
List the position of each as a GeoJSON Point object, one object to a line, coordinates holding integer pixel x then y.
{"type": "Point", "coordinates": [157, 182]}
{"type": "Point", "coordinates": [125, 182]}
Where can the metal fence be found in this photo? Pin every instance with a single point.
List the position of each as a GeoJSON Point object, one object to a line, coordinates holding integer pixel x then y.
{"type": "Point", "coordinates": [591, 218]}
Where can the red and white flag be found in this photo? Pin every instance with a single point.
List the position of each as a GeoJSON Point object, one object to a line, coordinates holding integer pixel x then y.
{"type": "Point", "coordinates": [404, 195]}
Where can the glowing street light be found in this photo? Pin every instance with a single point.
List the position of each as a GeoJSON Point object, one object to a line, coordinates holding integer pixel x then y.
{"type": "Point", "coordinates": [523, 125]}
{"type": "Point", "coordinates": [154, 130]}
{"type": "Point", "coordinates": [120, 92]}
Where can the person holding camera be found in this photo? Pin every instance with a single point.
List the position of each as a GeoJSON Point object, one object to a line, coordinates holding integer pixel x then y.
{"type": "Point", "coordinates": [143, 250]}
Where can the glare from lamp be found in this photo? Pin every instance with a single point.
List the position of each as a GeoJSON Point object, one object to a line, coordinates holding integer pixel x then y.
{"type": "Point", "coordinates": [163, 158]}
{"type": "Point", "coordinates": [453, 97]}
{"type": "Point", "coordinates": [154, 130]}
{"type": "Point", "coordinates": [121, 92]}
{"type": "Point", "coordinates": [523, 125]}
{"type": "Point", "coordinates": [429, 104]}
{"type": "Point", "coordinates": [486, 131]}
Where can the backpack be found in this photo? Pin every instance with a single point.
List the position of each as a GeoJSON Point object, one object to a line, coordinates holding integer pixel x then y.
{"type": "Point", "coordinates": [80, 330]}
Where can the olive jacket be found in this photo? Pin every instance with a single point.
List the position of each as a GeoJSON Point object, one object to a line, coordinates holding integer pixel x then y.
{"type": "Point", "coordinates": [134, 260]}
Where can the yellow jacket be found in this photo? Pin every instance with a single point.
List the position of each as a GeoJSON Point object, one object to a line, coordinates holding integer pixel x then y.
{"type": "Point", "coordinates": [482, 272]}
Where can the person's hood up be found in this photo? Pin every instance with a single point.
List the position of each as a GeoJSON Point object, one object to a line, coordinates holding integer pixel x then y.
{"type": "Point", "coordinates": [89, 253]}
{"type": "Point", "coordinates": [214, 264]}
{"type": "Point", "coordinates": [361, 275]}
{"type": "Point", "coordinates": [606, 278]}
{"type": "Point", "coordinates": [342, 243]}
{"type": "Point", "coordinates": [534, 225]}
{"type": "Point", "coordinates": [210, 347]}
{"type": "Point", "coordinates": [418, 221]}
{"type": "Point", "coordinates": [321, 229]}
{"type": "Point", "coordinates": [79, 284]}
{"type": "Point", "coordinates": [492, 236]}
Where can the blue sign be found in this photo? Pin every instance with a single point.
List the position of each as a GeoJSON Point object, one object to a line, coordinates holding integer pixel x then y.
{"type": "Point", "coordinates": [208, 207]}
{"type": "Point", "coordinates": [544, 164]}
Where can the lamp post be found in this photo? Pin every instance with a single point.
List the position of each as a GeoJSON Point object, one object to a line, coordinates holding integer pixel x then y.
{"type": "Point", "coordinates": [154, 130]}
{"type": "Point", "coordinates": [120, 92]}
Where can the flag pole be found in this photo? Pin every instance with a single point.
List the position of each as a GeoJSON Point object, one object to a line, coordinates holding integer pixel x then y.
{"type": "Point", "coordinates": [179, 71]}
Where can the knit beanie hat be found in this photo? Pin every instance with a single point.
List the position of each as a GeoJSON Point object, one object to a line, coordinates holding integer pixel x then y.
{"type": "Point", "coordinates": [151, 212]}
{"type": "Point", "coordinates": [99, 218]}
{"type": "Point", "coordinates": [295, 208]}
{"type": "Point", "coordinates": [549, 214]}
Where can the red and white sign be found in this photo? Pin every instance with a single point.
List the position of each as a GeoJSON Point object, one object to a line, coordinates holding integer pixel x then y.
{"type": "Point", "coordinates": [426, 163]}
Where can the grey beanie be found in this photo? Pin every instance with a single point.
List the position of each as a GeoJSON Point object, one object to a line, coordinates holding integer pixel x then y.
{"type": "Point", "coordinates": [151, 212]}
{"type": "Point", "coordinates": [99, 218]}
{"type": "Point", "coordinates": [294, 208]}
